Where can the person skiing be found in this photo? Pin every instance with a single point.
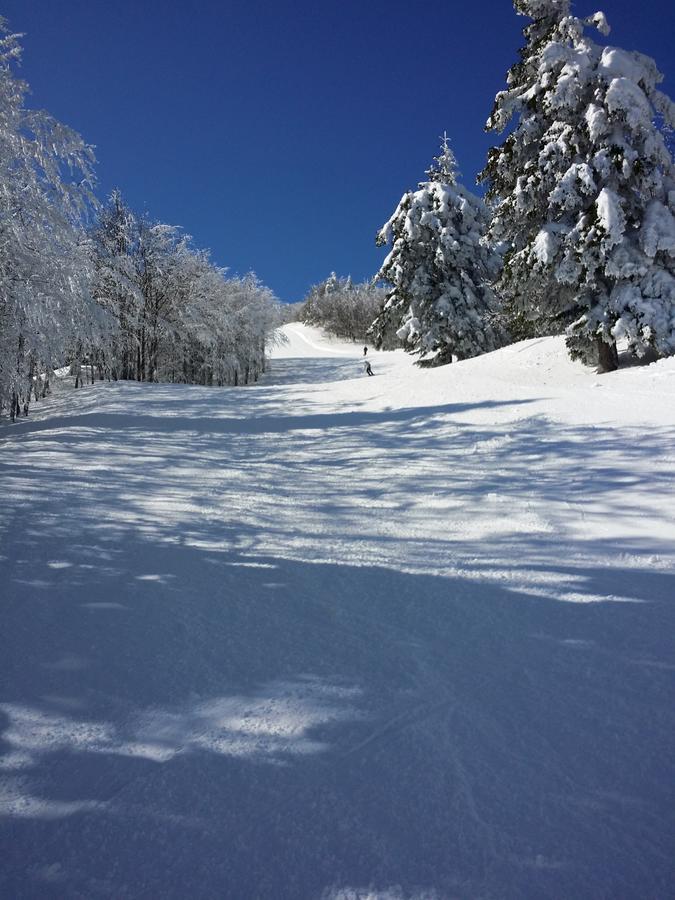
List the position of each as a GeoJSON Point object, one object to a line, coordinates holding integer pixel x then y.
{"type": "Point", "coordinates": [368, 368]}
{"type": "Point", "coordinates": [365, 351]}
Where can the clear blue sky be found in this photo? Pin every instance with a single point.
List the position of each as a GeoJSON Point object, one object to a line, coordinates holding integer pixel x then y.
{"type": "Point", "coordinates": [282, 134]}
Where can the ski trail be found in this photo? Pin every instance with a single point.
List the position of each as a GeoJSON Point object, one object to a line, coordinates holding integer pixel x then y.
{"type": "Point", "coordinates": [322, 349]}
{"type": "Point", "coordinates": [324, 633]}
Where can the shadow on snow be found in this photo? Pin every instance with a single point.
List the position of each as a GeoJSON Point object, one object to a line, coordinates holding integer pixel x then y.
{"type": "Point", "coordinates": [185, 715]}
{"type": "Point", "coordinates": [237, 725]}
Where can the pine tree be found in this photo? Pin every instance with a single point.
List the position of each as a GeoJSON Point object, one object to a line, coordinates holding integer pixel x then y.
{"type": "Point", "coordinates": [584, 188]}
{"type": "Point", "coordinates": [439, 268]}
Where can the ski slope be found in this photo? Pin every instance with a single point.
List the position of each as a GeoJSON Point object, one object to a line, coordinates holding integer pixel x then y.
{"type": "Point", "coordinates": [331, 636]}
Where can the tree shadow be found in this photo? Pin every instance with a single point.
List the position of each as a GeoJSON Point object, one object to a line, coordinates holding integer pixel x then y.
{"type": "Point", "coordinates": [227, 672]}
{"type": "Point", "coordinates": [219, 723]}
{"type": "Point", "coordinates": [90, 425]}
{"type": "Point", "coordinates": [312, 370]}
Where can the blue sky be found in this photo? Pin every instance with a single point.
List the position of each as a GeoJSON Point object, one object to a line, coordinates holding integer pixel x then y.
{"type": "Point", "coordinates": [282, 134]}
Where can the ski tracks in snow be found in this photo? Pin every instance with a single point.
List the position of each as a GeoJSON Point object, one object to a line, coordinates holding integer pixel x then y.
{"type": "Point", "coordinates": [309, 634]}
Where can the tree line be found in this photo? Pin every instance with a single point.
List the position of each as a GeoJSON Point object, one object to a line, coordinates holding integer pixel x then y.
{"type": "Point", "coordinates": [98, 288]}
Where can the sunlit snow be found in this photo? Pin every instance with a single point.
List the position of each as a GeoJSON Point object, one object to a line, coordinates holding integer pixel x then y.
{"type": "Point", "coordinates": [332, 636]}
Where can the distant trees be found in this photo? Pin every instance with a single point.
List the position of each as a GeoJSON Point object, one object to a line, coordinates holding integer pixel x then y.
{"type": "Point", "coordinates": [584, 189]}
{"type": "Point", "coordinates": [343, 308]}
{"type": "Point", "coordinates": [439, 270]}
{"type": "Point", "coordinates": [291, 312]}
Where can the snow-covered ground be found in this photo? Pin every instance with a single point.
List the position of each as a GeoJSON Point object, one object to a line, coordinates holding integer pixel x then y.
{"type": "Point", "coordinates": [335, 636]}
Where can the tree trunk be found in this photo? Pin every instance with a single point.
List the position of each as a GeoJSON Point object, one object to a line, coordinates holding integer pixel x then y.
{"type": "Point", "coordinates": [608, 358]}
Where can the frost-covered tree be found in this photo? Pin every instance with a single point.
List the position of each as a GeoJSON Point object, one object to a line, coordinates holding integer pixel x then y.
{"type": "Point", "coordinates": [117, 282]}
{"type": "Point", "coordinates": [440, 270]}
{"type": "Point", "coordinates": [178, 317]}
{"type": "Point", "coordinates": [584, 188]}
{"type": "Point", "coordinates": [137, 262]}
{"type": "Point", "coordinates": [131, 298]}
{"type": "Point", "coordinates": [45, 177]}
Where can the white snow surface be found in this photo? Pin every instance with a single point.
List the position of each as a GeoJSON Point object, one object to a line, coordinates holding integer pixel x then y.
{"type": "Point", "coordinates": [332, 636]}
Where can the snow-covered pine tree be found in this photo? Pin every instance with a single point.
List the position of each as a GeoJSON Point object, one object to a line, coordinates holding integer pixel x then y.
{"type": "Point", "coordinates": [440, 270]}
{"type": "Point", "coordinates": [584, 188]}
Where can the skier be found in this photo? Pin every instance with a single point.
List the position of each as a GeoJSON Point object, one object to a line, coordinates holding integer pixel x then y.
{"type": "Point", "coordinates": [368, 368]}
{"type": "Point", "coordinates": [365, 351]}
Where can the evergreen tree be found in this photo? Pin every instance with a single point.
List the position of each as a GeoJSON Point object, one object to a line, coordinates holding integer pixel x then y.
{"type": "Point", "coordinates": [439, 268]}
{"type": "Point", "coordinates": [584, 188]}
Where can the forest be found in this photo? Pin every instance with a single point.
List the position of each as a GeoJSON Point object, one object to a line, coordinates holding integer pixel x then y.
{"type": "Point", "coordinates": [575, 235]}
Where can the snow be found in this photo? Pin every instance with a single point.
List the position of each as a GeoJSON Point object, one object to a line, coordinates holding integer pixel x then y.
{"type": "Point", "coordinates": [408, 636]}
{"type": "Point", "coordinates": [545, 246]}
{"type": "Point", "coordinates": [597, 121]}
{"type": "Point", "coordinates": [628, 98]}
{"type": "Point", "coordinates": [611, 218]}
{"type": "Point", "coordinates": [599, 19]}
{"type": "Point", "coordinates": [658, 231]}
{"type": "Point", "coordinates": [622, 64]}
